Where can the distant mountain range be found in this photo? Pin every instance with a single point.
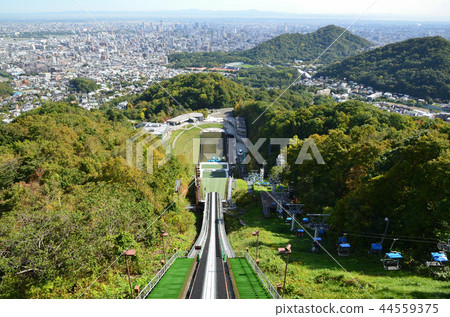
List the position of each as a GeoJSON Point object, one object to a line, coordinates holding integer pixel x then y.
{"type": "Point", "coordinates": [419, 67]}
{"type": "Point", "coordinates": [285, 48]}
{"type": "Point", "coordinates": [201, 14]}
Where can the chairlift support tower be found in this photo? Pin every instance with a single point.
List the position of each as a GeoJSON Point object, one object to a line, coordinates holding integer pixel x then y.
{"type": "Point", "coordinates": [294, 210]}
{"type": "Point", "coordinates": [317, 223]}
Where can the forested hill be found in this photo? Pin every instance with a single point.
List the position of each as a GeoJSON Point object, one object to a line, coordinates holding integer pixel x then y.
{"type": "Point", "coordinates": [378, 164]}
{"type": "Point", "coordinates": [285, 48]}
{"type": "Point", "coordinates": [69, 205]}
{"type": "Point", "coordinates": [418, 67]}
{"type": "Point", "coordinates": [192, 92]}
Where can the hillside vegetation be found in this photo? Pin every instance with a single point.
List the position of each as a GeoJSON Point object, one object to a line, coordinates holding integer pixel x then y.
{"type": "Point", "coordinates": [5, 89]}
{"type": "Point", "coordinates": [81, 84]}
{"type": "Point", "coordinates": [285, 48]}
{"type": "Point", "coordinates": [418, 67]}
{"type": "Point", "coordinates": [378, 165]}
{"type": "Point", "coordinates": [193, 92]}
{"type": "Point", "coordinates": [69, 205]}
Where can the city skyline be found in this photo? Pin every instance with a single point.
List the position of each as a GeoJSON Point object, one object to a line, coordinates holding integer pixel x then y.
{"type": "Point", "coordinates": [415, 9]}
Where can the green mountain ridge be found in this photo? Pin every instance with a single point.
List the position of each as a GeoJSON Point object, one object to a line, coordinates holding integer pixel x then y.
{"type": "Point", "coordinates": [285, 48]}
{"type": "Point", "coordinates": [418, 67]}
{"type": "Point", "coordinates": [308, 47]}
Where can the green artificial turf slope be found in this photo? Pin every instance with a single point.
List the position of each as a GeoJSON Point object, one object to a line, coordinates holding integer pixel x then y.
{"type": "Point", "coordinates": [169, 287]}
{"type": "Point", "coordinates": [247, 282]}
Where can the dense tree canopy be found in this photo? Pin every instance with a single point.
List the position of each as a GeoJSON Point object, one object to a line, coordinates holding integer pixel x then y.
{"type": "Point", "coordinates": [378, 165]}
{"type": "Point", "coordinates": [418, 67]}
{"type": "Point", "coordinates": [5, 89]}
{"type": "Point", "coordinates": [193, 92]}
{"type": "Point", "coordinates": [285, 48]}
{"type": "Point", "coordinates": [279, 77]}
{"type": "Point", "coordinates": [69, 205]}
{"type": "Point", "coordinates": [82, 84]}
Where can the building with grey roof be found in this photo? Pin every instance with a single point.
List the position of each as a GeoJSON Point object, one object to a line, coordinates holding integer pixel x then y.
{"type": "Point", "coordinates": [187, 117]}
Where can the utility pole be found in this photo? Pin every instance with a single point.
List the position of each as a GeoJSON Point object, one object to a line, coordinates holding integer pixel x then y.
{"type": "Point", "coordinates": [256, 233]}
{"type": "Point", "coordinates": [286, 250]}
{"type": "Point", "coordinates": [164, 234]}
{"type": "Point", "coordinates": [127, 253]}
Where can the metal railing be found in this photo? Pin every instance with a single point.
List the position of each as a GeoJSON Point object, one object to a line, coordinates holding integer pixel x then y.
{"type": "Point", "coordinates": [151, 285]}
{"type": "Point", "coordinates": [225, 244]}
{"type": "Point", "coordinates": [266, 283]}
{"type": "Point", "coordinates": [203, 231]}
{"type": "Point", "coordinates": [229, 188]}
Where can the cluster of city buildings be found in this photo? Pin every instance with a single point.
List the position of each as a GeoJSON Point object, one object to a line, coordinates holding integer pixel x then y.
{"type": "Point", "coordinates": [125, 57]}
{"type": "Point", "coordinates": [121, 57]}
{"type": "Point", "coordinates": [342, 91]}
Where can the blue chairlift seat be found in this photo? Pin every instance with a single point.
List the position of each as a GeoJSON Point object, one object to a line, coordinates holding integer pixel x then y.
{"type": "Point", "coordinates": [305, 220]}
{"type": "Point", "coordinates": [438, 259]}
{"type": "Point", "coordinates": [343, 248]}
{"type": "Point", "coordinates": [391, 262]}
{"type": "Point", "coordinates": [394, 255]}
{"type": "Point", "coordinates": [439, 256]}
{"type": "Point", "coordinates": [288, 219]}
{"type": "Point", "coordinates": [315, 244]}
{"type": "Point", "coordinates": [376, 248]}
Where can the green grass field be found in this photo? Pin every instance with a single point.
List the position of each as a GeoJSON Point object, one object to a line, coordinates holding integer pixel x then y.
{"type": "Point", "coordinates": [169, 287]}
{"type": "Point", "coordinates": [313, 275]}
{"type": "Point", "coordinates": [247, 66]}
{"type": "Point", "coordinates": [247, 282]}
{"type": "Point", "coordinates": [214, 185]}
{"type": "Point", "coordinates": [214, 174]}
{"type": "Point", "coordinates": [211, 150]}
{"type": "Point", "coordinates": [214, 166]}
{"type": "Point", "coordinates": [241, 184]}
{"type": "Point", "coordinates": [184, 143]}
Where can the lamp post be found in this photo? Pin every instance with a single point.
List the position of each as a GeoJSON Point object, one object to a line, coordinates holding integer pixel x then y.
{"type": "Point", "coordinates": [256, 233]}
{"type": "Point", "coordinates": [164, 234]}
{"type": "Point", "coordinates": [286, 250]}
{"type": "Point", "coordinates": [127, 253]}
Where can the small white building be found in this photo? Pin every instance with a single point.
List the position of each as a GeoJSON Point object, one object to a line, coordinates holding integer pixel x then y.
{"type": "Point", "coordinates": [158, 129]}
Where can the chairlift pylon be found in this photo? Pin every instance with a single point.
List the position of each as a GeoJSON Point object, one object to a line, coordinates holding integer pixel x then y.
{"type": "Point", "coordinates": [377, 247]}
{"type": "Point", "coordinates": [317, 223]}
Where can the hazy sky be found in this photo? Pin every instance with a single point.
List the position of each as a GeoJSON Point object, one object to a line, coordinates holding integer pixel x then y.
{"type": "Point", "coordinates": [439, 9]}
